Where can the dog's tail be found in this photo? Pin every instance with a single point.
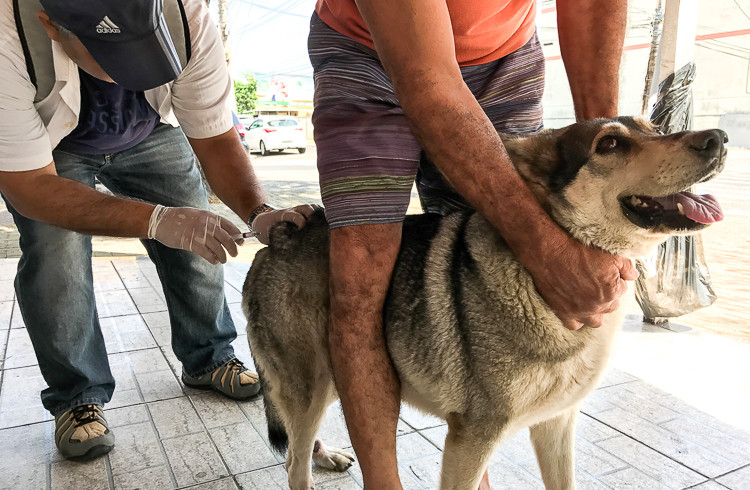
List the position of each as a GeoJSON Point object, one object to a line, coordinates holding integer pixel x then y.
{"type": "Point", "coordinates": [277, 435]}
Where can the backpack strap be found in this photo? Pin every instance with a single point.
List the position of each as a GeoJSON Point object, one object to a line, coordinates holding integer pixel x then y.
{"type": "Point", "coordinates": [37, 47]}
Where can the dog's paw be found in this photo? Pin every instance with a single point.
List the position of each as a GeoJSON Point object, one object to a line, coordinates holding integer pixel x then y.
{"type": "Point", "coordinates": [331, 459]}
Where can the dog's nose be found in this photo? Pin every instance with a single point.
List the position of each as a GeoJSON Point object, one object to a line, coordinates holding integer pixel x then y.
{"type": "Point", "coordinates": [709, 141]}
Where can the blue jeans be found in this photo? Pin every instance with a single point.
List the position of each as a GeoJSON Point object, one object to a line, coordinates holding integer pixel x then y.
{"type": "Point", "coordinates": [54, 283]}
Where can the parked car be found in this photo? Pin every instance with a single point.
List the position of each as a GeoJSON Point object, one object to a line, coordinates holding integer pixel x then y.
{"type": "Point", "coordinates": [240, 130]}
{"type": "Point", "coordinates": [276, 133]}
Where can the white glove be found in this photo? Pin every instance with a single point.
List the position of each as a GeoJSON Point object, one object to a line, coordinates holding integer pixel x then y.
{"type": "Point", "coordinates": [196, 230]}
{"type": "Point", "coordinates": [264, 221]}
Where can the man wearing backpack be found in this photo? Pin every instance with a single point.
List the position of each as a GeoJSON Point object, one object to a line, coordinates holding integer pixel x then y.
{"type": "Point", "coordinates": [113, 97]}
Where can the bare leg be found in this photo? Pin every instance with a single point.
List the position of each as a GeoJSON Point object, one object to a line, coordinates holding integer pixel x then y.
{"type": "Point", "coordinates": [362, 259]}
{"type": "Point", "coordinates": [553, 442]}
{"type": "Point", "coordinates": [485, 483]}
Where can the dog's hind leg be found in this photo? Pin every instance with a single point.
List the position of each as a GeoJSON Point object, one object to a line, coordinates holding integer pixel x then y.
{"type": "Point", "coordinates": [302, 418]}
{"type": "Point", "coordinates": [468, 449]}
{"type": "Point", "coordinates": [553, 442]}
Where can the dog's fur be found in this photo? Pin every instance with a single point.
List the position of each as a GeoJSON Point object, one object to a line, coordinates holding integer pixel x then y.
{"type": "Point", "coordinates": [470, 337]}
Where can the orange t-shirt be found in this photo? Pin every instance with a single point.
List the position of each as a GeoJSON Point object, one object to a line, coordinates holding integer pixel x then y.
{"type": "Point", "coordinates": [483, 30]}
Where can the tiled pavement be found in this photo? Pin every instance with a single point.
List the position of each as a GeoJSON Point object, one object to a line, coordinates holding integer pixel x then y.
{"type": "Point", "coordinates": [631, 434]}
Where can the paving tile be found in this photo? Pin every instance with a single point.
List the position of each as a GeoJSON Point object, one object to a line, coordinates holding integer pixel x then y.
{"type": "Point", "coordinates": [159, 385]}
{"type": "Point", "coordinates": [722, 444]}
{"type": "Point", "coordinates": [504, 474]}
{"type": "Point", "coordinates": [413, 446]}
{"type": "Point", "coordinates": [233, 295]}
{"type": "Point", "coordinates": [19, 352]}
{"type": "Point", "coordinates": [592, 430]}
{"type": "Point", "coordinates": [6, 289]}
{"type": "Point", "coordinates": [518, 448]}
{"type": "Point", "coordinates": [737, 480]}
{"type": "Point", "coordinates": [118, 417]}
{"type": "Point", "coordinates": [175, 417]}
{"type": "Point", "coordinates": [345, 483]}
{"type": "Point", "coordinates": [19, 397]}
{"type": "Point", "coordinates": [650, 462]}
{"type": "Point", "coordinates": [216, 410]}
{"type": "Point", "coordinates": [242, 448]}
{"type": "Point", "coordinates": [235, 274]}
{"type": "Point", "coordinates": [709, 485]}
{"type": "Point", "coordinates": [126, 333]}
{"type": "Point", "coordinates": [436, 435]}
{"type": "Point", "coordinates": [223, 484]}
{"type": "Point", "coordinates": [650, 434]}
{"type": "Point", "coordinates": [594, 404]}
{"type": "Point", "coordinates": [106, 277]}
{"type": "Point", "coordinates": [703, 461]}
{"type": "Point", "coordinates": [194, 459]}
{"type": "Point", "coordinates": [16, 320]}
{"type": "Point", "coordinates": [115, 303]}
{"type": "Point", "coordinates": [158, 323]}
{"type": "Point", "coordinates": [157, 477]}
{"type": "Point", "coordinates": [272, 478]}
{"type": "Point", "coordinates": [679, 405]}
{"type": "Point", "coordinates": [6, 308]}
{"type": "Point", "coordinates": [147, 361]}
{"type": "Point", "coordinates": [131, 274]}
{"type": "Point", "coordinates": [91, 475]}
{"type": "Point", "coordinates": [136, 448]}
{"type": "Point", "coordinates": [238, 317]}
{"type": "Point", "coordinates": [615, 377]}
{"type": "Point", "coordinates": [147, 300]}
{"type": "Point", "coordinates": [620, 396]}
{"type": "Point", "coordinates": [631, 479]}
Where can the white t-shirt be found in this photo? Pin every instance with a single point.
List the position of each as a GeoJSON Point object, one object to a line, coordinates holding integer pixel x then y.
{"type": "Point", "coordinates": [198, 100]}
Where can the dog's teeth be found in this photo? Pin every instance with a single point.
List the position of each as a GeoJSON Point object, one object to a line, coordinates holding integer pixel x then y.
{"type": "Point", "coordinates": [644, 204]}
{"type": "Point", "coordinates": [635, 201]}
{"type": "Point", "coordinates": [679, 209]}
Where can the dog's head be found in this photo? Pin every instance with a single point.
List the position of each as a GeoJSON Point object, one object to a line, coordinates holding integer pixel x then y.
{"type": "Point", "coordinates": [620, 184]}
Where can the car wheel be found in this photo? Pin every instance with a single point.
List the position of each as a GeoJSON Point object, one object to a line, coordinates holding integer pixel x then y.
{"type": "Point", "coordinates": [263, 150]}
{"type": "Point", "coordinates": [301, 150]}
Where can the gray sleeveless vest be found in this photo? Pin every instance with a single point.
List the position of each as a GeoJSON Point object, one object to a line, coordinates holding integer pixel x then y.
{"type": "Point", "coordinates": [37, 47]}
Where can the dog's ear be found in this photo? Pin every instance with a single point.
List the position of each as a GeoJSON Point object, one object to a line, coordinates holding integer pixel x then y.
{"type": "Point", "coordinates": [536, 157]}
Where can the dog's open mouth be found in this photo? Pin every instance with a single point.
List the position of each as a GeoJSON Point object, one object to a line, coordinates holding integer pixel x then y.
{"type": "Point", "coordinates": [681, 211]}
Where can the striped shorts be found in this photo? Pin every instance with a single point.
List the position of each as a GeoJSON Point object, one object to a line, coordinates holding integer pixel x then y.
{"type": "Point", "coordinates": [368, 158]}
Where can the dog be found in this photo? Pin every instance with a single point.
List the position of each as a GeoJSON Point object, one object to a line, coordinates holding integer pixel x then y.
{"type": "Point", "coordinates": [469, 336]}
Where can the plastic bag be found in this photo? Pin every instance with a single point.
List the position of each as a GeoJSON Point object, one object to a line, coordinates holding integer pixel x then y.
{"type": "Point", "coordinates": [675, 281]}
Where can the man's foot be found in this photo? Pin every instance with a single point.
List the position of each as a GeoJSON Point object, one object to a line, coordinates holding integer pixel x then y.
{"type": "Point", "coordinates": [232, 379]}
{"type": "Point", "coordinates": [81, 433]}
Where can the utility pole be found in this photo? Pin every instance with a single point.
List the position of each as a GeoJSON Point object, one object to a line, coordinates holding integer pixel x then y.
{"type": "Point", "coordinates": [655, 35]}
{"type": "Point", "coordinates": [224, 29]}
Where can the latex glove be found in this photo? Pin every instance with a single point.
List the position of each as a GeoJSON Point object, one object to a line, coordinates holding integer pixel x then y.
{"type": "Point", "coordinates": [195, 230]}
{"type": "Point", "coordinates": [298, 215]}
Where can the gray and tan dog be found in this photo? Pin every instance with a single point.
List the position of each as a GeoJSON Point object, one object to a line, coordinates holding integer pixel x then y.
{"type": "Point", "coordinates": [470, 337]}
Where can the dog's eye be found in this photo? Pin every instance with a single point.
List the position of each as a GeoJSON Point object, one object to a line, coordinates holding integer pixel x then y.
{"type": "Point", "coordinates": [607, 144]}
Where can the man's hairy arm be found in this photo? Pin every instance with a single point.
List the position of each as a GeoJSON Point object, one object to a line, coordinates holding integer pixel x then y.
{"type": "Point", "coordinates": [44, 196]}
{"type": "Point", "coordinates": [592, 34]}
{"type": "Point", "coordinates": [414, 40]}
{"type": "Point", "coordinates": [229, 172]}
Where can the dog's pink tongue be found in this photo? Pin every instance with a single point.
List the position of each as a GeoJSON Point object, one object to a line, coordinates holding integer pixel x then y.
{"type": "Point", "coordinates": [704, 208]}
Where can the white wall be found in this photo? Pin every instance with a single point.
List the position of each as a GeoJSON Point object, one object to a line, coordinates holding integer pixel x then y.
{"type": "Point", "coordinates": [722, 84]}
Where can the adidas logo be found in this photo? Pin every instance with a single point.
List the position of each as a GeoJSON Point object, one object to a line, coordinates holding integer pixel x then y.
{"type": "Point", "coordinates": [106, 26]}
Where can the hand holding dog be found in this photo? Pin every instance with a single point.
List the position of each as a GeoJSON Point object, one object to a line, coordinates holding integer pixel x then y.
{"type": "Point", "coordinates": [581, 284]}
{"type": "Point", "coordinates": [297, 215]}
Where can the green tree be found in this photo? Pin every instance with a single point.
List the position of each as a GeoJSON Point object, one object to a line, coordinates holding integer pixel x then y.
{"type": "Point", "coordinates": [245, 94]}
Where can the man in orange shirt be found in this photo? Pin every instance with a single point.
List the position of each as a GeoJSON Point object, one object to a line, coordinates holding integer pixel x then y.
{"type": "Point", "coordinates": [421, 87]}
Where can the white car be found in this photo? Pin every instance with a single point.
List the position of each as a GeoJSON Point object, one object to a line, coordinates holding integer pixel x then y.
{"type": "Point", "coordinates": [278, 133]}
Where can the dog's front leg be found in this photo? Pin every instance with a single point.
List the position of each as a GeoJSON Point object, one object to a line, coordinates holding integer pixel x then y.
{"type": "Point", "coordinates": [553, 442]}
{"type": "Point", "coordinates": [468, 448]}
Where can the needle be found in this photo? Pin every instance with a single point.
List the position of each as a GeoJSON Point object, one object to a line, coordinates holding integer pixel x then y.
{"type": "Point", "coordinates": [242, 236]}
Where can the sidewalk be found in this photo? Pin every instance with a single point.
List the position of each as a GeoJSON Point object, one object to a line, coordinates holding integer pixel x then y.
{"type": "Point", "coordinates": [672, 413]}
